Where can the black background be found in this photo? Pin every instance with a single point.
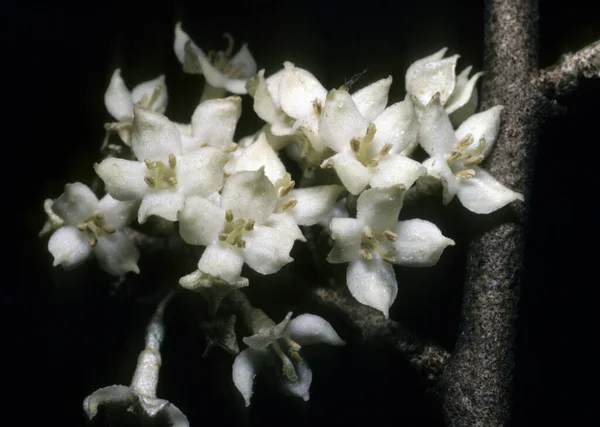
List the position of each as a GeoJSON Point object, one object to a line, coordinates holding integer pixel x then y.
{"type": "Point", "coordinates": [64, 335]}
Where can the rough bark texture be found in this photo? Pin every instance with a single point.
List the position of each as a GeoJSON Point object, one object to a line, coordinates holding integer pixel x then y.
{"type": "Point", "coordinates": [478, 382]}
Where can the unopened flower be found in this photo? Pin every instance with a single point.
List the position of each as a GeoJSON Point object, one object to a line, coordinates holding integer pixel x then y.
{"type": "Point", "coordinates": [375, 240]}
{"type": "Point", "coordinates": [91, 227]}
{"type": "Point", "coordinates": [281, 343]}
{"type": "Point", "coordinates": [456, 155]}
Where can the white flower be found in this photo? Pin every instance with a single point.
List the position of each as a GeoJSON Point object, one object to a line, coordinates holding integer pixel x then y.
{"type": "Point", "coordinates": [368, 147]}
{"type": "Point", "coordinates": [242, 228]}
{"type": "Point", "coordinates": [436, 74]}
{"type": "Point", "coordinates": [455, 157]}
{"type": "Point", "coordinates": [282, 341]}
{"type": "Point", "coordinates": [119, 102]}
{"type": "Point", "coordinates": [376, 239]}
{"type": "Point", "coordinates": [168, 171]}
{"type": "Point", "coordinates": [92, 226]}
{"type": "Point", "coordinates": [221, 70]}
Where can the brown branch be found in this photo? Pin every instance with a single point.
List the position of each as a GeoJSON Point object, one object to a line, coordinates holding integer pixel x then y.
{"type": "Point", "coordinates": [429, 359]}
{"type": "Point", "coordinates": [562, 78]}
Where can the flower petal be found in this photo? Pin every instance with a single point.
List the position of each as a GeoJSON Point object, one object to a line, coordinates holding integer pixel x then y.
{"type": "Point", "coordinates": [298, 90]}
{"type": "Point", "coordinates": [117, 98]}
{"type": "Point", "coordinates": [285, 223]}
{"type": "Point", "coordinates": [396, 169]}
{"type": "Point", "coordinates": [340, 121]}
{"type": "Point", "coordinates": [117, 254]}
{"type": "Point", "coordinates": [153, 136]}
{"type": "Point", "coordinates": [249, 194]}
{"type": "Point", "coordinates": [112, 394]}
{"type": "Point", "coordinates": [267, 249]}
{"type": "Point", "coordinates": [124, 179]}
{"type": "Point", "coordinates": [464, 91]}
{"type": "Point", "coordinates": [379, 208]}
{"type": "Point", "coordinates": [245, 367]}
{"type": "Point", "coordinates": [181, 38]}
{"type": "Point", "coordinates": [261, 154]}
{"type": "Point", "coordinates": [436, 134]}
{"type": "Point", "coordinates": [200, 221]}
{"type": "Point", "coordinates": [200, 173]}
{"type": "Point", "coordinates": [117, 214]}
{"type": "Point", "coordinates": [267, 331]}
{"type": "Point", "coordinates": [223, 261]}
{"type": "Point", "coordinates": [312, 329]}
{"type": "Point", "coordinates": [69, 246]}
{"type": "Point", "coordinates": [301, 386]}
{"type": "Point", "coordinates": [438, 168]}
{"type": "Point", "coordinates": [350, 171]}
{"type": "Point", "coordinates": [483, 194]}
{"type": "Point", "coordinates": [163, 203]}
{"type": "Point", "coordinates": [419, 243]}
{"type": "Point", "coordinates": [265, 105]}
{"type": "Point", "coordinates": [76, 204]}
{"type": "Point", "coordinates": [397, 125]}
{"type": "Point", "coordinates": [243, 59]}
{"type": "Point", "coordinates": [484, 125]}
{"type": "Point", "coordinates": [347, 234]}
{"type": "Point", "coordinates": [214, 122]}
{"type": "Point", "coordinates": [371, 100]}
{"type": "Point", "coordinates": [146, 91]}
{"type": "Point", "coordinates": [425, 78]}
{"type": "Point", "coordinates": [314, 202]}
{"type": "Point", "coordinates": [372, 283]}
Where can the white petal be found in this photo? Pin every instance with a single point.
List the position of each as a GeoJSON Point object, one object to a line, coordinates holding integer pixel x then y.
{"type": "Point", "coordinates": [181, 38]}
{"type": "Point", "coordinates": [147, 89]}
{"type": "Point", "coordinates": [397, 125]}
{"type": "Point", "coordinates": [200, 173]}
{"type": "Point", "coordinates": [484, 194]}
{"type": "Point", "coordinates": [117, 214]}
{"type": "Point", "coordinates": [163, 203]}
{"type": "Point", "coordinates": [267, 249]}
{"type": "Point", "coordinates": [76, 204]}
{"type": "Point", "coordinates": [396, 169]}
{"type": "Point", "coordinates": [69, 246]}
{"type": "Point", "coordinates": [426, 78]}
{"type": "Point", "coordinates": [273, 82]}
{"type": "Point", "coordinates": [265, 106]}
{"type": "Point", "coordinates": [301, 386]}
{"type": "Point", "coordinates": [117, 98]}
{"type": "Point", "coordinates": [117, 254]}
{"type": "Point", "coordinates": [261, 154]}
{"type": "Point", "coordinates": [124, 179]}
{"type": "Point", "coordinates": [482, 125]}
{"type": "Point", "coordinates": [347, 234]}
{"type": "Point", "coordinates": [108, 395]}
{"type": "Point", "coordinates": [314, 202]}
{"type": "Point", "coordinates": [340, 121]}
{"type": "Point", "coordinates": [285, 223]}
{"type": "Point", "coordinates": [214, 121]}
{"type": "Point", "coordinates": [245, 367]}
{"type": "Point", "coordinates": [200, 221]}
{"type": "Point", "coordinates": [371, 100]}
{"type": "Point", "coordinates": [223, 261]}
{"type": "Point", "coordinates": [237, 86]}
{"type": "Point", "coordinates": [153, 136]}
{"type": "Point", "coordinates": [244, 58]}
{"type": "Point", "coordinates": [419, 244]}
{"type": "Point", "coordinates": [372, 283]}
{"type": "Point", "coordinates": [249, 195]}
{"type": "Point", "coordinates": [351, 172]}
{"type": "Point", "coordinates": [311, 329]}
{"type": "Point", "coordinates": [213, 76]}
{"type": "Point", "coordinates": [379, 207]}
{"type": "Point", "coordinates": [436, 135]}
{"type": "Point", "coordinates": [463, 91]}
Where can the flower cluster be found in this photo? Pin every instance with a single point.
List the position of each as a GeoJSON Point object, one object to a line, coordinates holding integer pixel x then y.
{"type": "Point", "coordinates": [234, 196]}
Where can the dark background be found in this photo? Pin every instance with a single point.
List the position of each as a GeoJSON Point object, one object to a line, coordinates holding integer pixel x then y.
{"type": "Point", "coordinates": [66, 335]}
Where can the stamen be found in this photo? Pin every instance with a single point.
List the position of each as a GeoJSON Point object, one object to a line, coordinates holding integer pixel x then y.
{"type": "Point", "coordinates": [466, 174]}
{"type": "Point", "coordinates": [374, 162]}
{"type": "Point", "coordinates": [148, 163]}
{"type": "Point", "coordinates": [288, 367]}
{"type": "Point", "coordinates": [250, 225]}
{"type": "Point", "coordinates": [286, 190]}
{"type": "Point", "coordinates": [385, 150]}
{"type": "Point", "coordinates": [229, 148]}
{"type": "Point", "coordinates": [172, 161]}
{"type": "Point", "coordinates": [317, 107]}
{"type": "Point", "coordinates": [83, 226]}
{"type": "Point", "coordinates": [223, 236]}
{"type": "Point", "coordinates": [390, 235]}
{"type": "Point", "coordinates": [150, 181]}
{"type": "Point", "coordinates": [369, 234]}
{"type": "Point", "coordinates": [289, 205]}
{"type": "Point", "coordinates": [172, 180]}
{"type": "Point", "coordinates": [228, 215]}
{"type": "Point", "coordinates": [108, 229]}
{"type": "Point", "coordinates": [230, 42]}
{"type": "Point", "coordinates": [366, 254]}
{"type": "Point", "coordinates": [355, 145]}
{"type": "Point", "coordinates": [475, 160]}
{"type": "Point", "coordinates": [464, 142]}
{"type": "Point", "coordinates": [93, 241]}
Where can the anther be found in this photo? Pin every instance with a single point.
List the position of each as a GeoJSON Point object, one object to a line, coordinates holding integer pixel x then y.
{"type": "Point", "coordinates": [475, 160]}
{"type": "Point", "coordinates": [172, 161]}
{"type": "Point", "coordinates": [172, 180]}
{"type": "Point", "coordinates": [223, 236]}
{"type": "Point", "coordinates": [385, 150]}
{"type": "Point", "coordinates": [464, 142]}
{"type": "Point", "coordinates": [228, 215]}
{"type": "Point", "coordinates": [284, 191]}
{"type": "Point", "coordinates": [148, 163]}
{"type": "Point", "coordinates": [249, 225]}
{"type": "Point", "coordinates": [366, 254]}
{"type": "Point", "coordinates": [391, 236]}
{"type": "Point", "coordinates": [108, 229]}
{"type": "Point", "coordinates": [150, 181]}
{"type": "Point", "coordinates": [466, 174]}
{"type": "Point", "coordinates": [355, 145]}
{"type": "Point", "coordinates": [317, 107]}
{"type": "Point", "coordinates": [83, 226]}
{"type": "Point", "coordinates": [229, 148]}
{"type": "Point", "coordinates": [289, 205]}
{"type": "Point", "coordinates": [374, 162]}
{"type": "Point", "coordinates": [369, 234]}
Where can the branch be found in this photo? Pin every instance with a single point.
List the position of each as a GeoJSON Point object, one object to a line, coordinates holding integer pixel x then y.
{"type": "Point", "coordinates": [429, 359]}
{"type": "Point", "coordinates": [562, 78]}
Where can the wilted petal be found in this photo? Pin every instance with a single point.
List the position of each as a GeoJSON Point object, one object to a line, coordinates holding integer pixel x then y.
{"type": "Point", "coordinates": [244, 59]}
{"type": "Point", "coordinates": [426, 78]}
{"type": "Point", "coordinates": [267, 334]}
{"type": "Point", "coordinates": [117, 254]}
{"type": "Point", "coordinates": [69, 246]}
{"type": "Point", "coordinates": [249, 195]}
{"type": "Point", "coordinates": [353, 174]}
{"type": "Point", "coordinates": [396, 169]}
{"type": "Point", "coordinates": [245, 367]}
{"type": "Point", "coordinates": [200, 173]}
{"type": "Point", "coordinates": [146, 91]}
{"type": "Point", "coordinates": [153, 136]}
{"type": "Point", "coordinates": [124, 179]}
{"type": "Point", "coordinates": [301, 386]}
{"type": "Point", "coordinates": [118, 394]}
{"type": "Point", "coordinates": [483, 194]}
{"type": "Point", "coordinates": [484, 125]}
{"type": "Point", "coordinates": [347, 234]}
{"type": "Point", "coordinates": [419, 243]}
{"type": "Point", "coordinates": [372, 283]}
{"type": "Point", "coordinates": [379, 207]}
{"type": "Point", "coordinates": [397, 125]}
{"type": "Point", "coordinates": [436, 134]}
{"type": "Point", "coordinates": [223, 261]}
{"type": "Point", "coordinates": [311, 329]}
{"type": "Point", "coordinates": [200, 221]}
{"type": "Point", "coordinates": [340, 121]}
{"type": "Point", "coordinates": [267, 249]}
{"type": "Point", "coordinates": [314, 203]}
{"type": "Point", "coordinates": [371, 100]}
{"type": "Point", "coordinates": [214, 122]}
{"type": "Point", "coordinates": [261, 154]}
{"type": "Point", "coordinates": [298, 91]}
{"type": "Point", "coordinates": [162, 203]}
{"type": "Point", "coordinates": [76, 204]}
{"type": "Point", "coordinates": [173, 415]}
{"type": "Point", "coordinates": [117, 98]}
{"type": "Point", "coordinates": [117, 214]}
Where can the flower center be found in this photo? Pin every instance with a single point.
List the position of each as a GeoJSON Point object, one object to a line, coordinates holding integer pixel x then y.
{"type": "Point", "coordinates": [281, 357]}
{"type": "Point", "coordinates": [463, 156]}
{"type": "Point", "coordinates": [378, 242]}
{"type": "Point", "coordinates": [234, 230]}
{"type": "Point", "coordinates": [221, 60]}
{"type": "Point", "coordinates": [161, 176]}
{"type": "Point", "coordinates": [95, 227]}
{"type": "Point", "coordinates": [360, 147]}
